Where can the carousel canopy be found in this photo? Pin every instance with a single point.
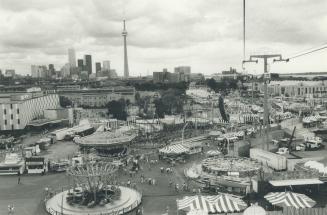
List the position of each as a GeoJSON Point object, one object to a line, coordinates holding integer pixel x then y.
{"type": "Point", "coordinates": [222, 203]}
{"type": "Point", "coordinates": [290, 199]}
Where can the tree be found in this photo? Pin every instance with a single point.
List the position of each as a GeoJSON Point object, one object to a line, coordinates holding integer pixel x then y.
{"type": "Point", "coordinates": [171, 102]}
{"type": "Point", "coordinates": [137, 97]}
{"type": "Point", "coordinates": [224, 85]}
{"type": "Point", "coordinates": [160, 108]}
{"type": "Point", "coordinates": [222, 109]}
{"type": "Point", "coordinates": [65, 102]}
{"type": "Point", "coordinates": [117, 109]}
{"type": "Point", "coordinates": [211, 83]}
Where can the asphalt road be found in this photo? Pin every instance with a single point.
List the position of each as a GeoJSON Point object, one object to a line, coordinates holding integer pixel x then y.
{"type": "Point", "coordinates": [28, 196]}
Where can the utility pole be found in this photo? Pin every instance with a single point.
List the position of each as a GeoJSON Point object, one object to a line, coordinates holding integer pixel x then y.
{"type": "Point", "coordinates": [266, 78]}
{"type": "Point", "coordinates": [252, 91]}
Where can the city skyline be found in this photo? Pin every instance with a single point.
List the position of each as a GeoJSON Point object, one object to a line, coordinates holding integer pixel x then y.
{"type": "Point", "coordinates": [207, 35]}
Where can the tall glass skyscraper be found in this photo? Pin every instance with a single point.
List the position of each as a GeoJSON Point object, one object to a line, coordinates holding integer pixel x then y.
{"type": "Point", "coordinates": [88, 63]}
{"type": "Point", "coordinates": [71, 58]}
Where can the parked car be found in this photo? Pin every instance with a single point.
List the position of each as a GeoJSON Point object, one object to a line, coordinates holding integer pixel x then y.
{"type": "Point", "coordinates": [300, 147]}
{"type": "Point", "coordinates": [283, 151]}
{"type": "Point", "coordinates": [313, 145]}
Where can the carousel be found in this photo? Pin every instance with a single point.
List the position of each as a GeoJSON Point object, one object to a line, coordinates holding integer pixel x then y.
{"type": "Point", "coordinates": [93, 192]}
{"type": "Point", "coordinates": [107, 143]}
{"type": "Point", "coordinates": [223, 166]}
{"type": "Point", "coordinates": [225, 174]}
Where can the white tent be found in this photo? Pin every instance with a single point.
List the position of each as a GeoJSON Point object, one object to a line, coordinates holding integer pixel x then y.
{"type": "Point", "coordinates": [222, 203]}
{"type": "Point", "coordinates": [254, 210]}
{"type": "Point", "coordinates": [316, 165]}
{"type": "Point", "coordinates": [290, 199]}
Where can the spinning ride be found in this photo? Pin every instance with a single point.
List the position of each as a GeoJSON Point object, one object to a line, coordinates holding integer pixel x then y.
{"type": "Point", "coordinates": [93, 184]}
{"type": "Point", "coordinates": [94, 193]}
{"type": "Point", "coordinates": [223, 166]}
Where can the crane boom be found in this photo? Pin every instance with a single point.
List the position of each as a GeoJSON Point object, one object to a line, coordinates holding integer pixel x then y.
{"type": "Point", "coordinates": [291, 139]}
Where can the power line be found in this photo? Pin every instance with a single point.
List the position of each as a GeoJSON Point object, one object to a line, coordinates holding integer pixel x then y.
{"type": "Point", "coordinates": [306, 50]}
{"type": "Point", "coordinates": [309, 51]}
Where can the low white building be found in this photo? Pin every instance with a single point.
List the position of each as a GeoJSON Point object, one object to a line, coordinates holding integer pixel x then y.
{"type": "Point", "coordinates": [296, 88]}
{"type": "Point", "coordinates": [18, 109]}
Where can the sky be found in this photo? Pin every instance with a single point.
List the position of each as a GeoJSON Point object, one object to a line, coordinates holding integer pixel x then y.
{"type": "Point", "coordinates": [203, 34]}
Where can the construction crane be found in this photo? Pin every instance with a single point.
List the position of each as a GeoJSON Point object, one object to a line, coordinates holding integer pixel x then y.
{"type": "Point", "coordinates": [289, 145]}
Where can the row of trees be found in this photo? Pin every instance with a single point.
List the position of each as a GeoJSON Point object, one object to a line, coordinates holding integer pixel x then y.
{"type": "Point", "coordinates": [224, 85]}
{"type": "Point", "coordinates": [117, 108]}
{"type": "Point", "coordinates": [170, 102]}
{"type": "Point", "coordinates": [151, 86]}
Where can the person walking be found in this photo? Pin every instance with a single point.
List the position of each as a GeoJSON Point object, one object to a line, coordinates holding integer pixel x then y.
{"type": "Point", "coordinates": [176, 188]}
{"type": "Point", "coordinates": [10, 209]}
{"type": "Point", "coordinates": [170, 183]}
{"type": "Point", "coordinates": [18, 181]}
{"type": "Point", "coordinates": [154, 181]}
{"type": "Point", "coordinates": [184, 186]}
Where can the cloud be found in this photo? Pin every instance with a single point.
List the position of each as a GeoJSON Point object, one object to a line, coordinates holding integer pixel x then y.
{"type": "Point", "coordinates": [204, 34]}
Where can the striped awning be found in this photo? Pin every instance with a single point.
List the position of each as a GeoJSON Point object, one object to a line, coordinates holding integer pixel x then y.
{"type": "Point", "coordinates": [310, 119]}
{"type": "Point", "coordinates": [174, 149]}
{"type": "Point", "coordinates": [290, 199]}
{"type": "Point", "coordinates": [222, 203]}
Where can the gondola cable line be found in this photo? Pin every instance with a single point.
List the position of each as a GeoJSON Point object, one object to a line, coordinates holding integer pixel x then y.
{"type": "Point", "coordinates": [310, 51]}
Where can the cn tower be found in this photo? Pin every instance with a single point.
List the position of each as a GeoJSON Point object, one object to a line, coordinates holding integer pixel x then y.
{"type": "Point", "coordinates": [126, 71]}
